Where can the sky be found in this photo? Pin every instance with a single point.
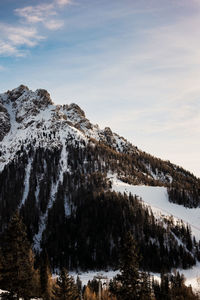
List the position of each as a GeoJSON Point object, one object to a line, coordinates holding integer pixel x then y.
{"type": "Point", "coordinates": [132, 65]}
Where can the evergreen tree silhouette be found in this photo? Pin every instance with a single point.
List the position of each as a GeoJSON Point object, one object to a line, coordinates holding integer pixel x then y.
{"type": "Point", "coordinates": [126, 285]}
{"type": "Point", "coordinates": [17, 263]}
{"type": "Point", "coordinates": [65, 288]}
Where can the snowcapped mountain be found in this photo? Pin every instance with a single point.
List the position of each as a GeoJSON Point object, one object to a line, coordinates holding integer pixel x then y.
{"type": "Point", "coordinates": [27, 116]}
{"type": "Point", "coordinates": [56, 167]}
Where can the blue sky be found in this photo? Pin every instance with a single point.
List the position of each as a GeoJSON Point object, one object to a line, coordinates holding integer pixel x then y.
{"type": "Point", "coordinates": [131, 65]}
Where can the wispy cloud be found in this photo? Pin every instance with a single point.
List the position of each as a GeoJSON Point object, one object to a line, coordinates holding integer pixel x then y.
{"type": "Point", "coordinates": [35, 14]}
{"type": "Point", "coordinates": [45, 13]}
{"type": "Point", "coordinates": [26, 32]}
{"type": "Point", "coordinates": [7, 49]}
{"type": "Point", "coordinates": [63, 2]}
{"type": "Point", "coordinates": [14, 37]}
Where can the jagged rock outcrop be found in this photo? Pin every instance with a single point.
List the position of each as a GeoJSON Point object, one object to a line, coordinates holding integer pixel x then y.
{"type": "Point", "coordinates": [4, 122]}
{"type": "Point", "coordinates": [35, 117]}
{"type": "Point", "coordinates": [16, 93]}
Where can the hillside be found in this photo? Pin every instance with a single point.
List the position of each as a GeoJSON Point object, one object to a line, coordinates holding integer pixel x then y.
{"type": "Point", "coordinates": [56, 167]}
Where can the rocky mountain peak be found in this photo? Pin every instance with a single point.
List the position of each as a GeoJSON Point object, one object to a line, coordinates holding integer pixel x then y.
{"type": "Point", "coordinates": [26, 103]}
{"type": "Point", "coordinates": [44, 97]}
{"type": "Point", "coordinates": [76, 109]}
{"type": "Point", "coordinates": [30, 117]}
{"type": "Point", "coordinates": [22, 93]}
{"type": "Point", "coordinates": [17, 92]}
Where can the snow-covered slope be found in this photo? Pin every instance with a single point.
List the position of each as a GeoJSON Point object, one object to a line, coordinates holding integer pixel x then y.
{"type": "Point", "coordinates": [157, 198]}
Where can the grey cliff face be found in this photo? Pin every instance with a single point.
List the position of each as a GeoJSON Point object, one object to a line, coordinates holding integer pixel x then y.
{"type": "Point", "coordinates": [4, 122]}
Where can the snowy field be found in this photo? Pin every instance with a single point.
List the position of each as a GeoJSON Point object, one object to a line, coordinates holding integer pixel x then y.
{"type": "Point", "coordinates": [191, 276]}
{"type": "Point", "coordinates": [157, 199]}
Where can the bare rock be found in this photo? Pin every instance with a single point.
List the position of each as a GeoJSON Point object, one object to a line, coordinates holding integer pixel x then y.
{"type": "Point", "coordinates": [44, 98]}
{"type": "Point", "coordinates": [4, 122]}
{"type": "Point", "coordinates": [76, 109]}
{"type": "Point", "coordinates": [16, 93]}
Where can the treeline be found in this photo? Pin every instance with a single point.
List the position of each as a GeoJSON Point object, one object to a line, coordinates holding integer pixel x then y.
{"type": "Point", "coordinates": [132, 284]}
{"type": "Point", "coordinates": [169, 287]}
{"type": "Point", "coordinates": [184, 197]}
{"type": "Point", "coordinates": [22, 275]}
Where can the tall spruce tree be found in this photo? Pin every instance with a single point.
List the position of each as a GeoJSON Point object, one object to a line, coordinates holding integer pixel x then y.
{"type": "Point", "coordinates": [65, 288]}
{"type": "Point", "coordinates": [17, 263]}
{"type": "Point", "coordinates": [126, 286]}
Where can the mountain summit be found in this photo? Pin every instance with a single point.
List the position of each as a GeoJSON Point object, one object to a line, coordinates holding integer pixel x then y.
{"type": "Point", "coordinates": [27, 116]}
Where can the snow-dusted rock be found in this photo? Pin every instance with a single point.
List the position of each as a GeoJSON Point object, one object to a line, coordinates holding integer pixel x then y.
{"type": "Point", "coordinates": [4, 121]}
{"type": "Point", "coordinates": [31, 116]}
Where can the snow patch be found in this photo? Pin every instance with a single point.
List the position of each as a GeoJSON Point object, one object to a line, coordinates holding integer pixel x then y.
{"type": "Point", "coordinates": [26, 182]}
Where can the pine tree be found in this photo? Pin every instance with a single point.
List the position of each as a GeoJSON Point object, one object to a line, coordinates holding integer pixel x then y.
{"type": "Point", "coordinates": [65, 288]}
{"type": "Point", "coordinates": [126, 285]}
{"type": "Point", "coordinates": [145, 286]}
{"type": "Point", "coordinates": [17, 263]}
{"type": "Point", "coordinates": [45, 277]}
{"type": "Point", "coordinates": [165, 290]}
{"type": "Point", "coordinates": [79, 285]}
{"type": "Point", "coordinates": [89, 295]}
